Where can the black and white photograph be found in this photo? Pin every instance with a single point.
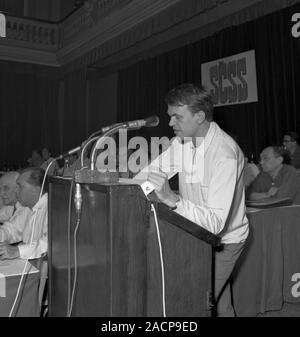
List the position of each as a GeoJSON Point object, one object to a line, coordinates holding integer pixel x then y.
{"type": "Point", "coordinates": [149, 162]}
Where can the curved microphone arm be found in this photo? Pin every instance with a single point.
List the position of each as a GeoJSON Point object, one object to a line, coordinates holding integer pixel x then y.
{"type": "Point", "coordinates": [96, 133]}
{"type": "Point", "coordinates": [94, 136]}
{"type": "Point", "coordinates": [106, 134]}
{"type": "Point", "coordinates": [89, 141]}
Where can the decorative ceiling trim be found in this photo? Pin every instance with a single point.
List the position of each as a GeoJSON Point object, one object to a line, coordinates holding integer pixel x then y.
{"type": "Point", "coordinates": [230, 13]}
{"type": "Point", "coordinates": [106, 32]}
{"type": "Point", "coordinates": [19, 54]}
{"type": "Point", "coordinates": [112, 26]}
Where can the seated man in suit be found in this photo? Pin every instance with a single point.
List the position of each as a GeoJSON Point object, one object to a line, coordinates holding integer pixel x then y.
{"type": "Point", "coordinates": [277, 179]}
{"type": "Point", "coordinates": [11, 209]}
{"type": "Point", "coordinates": [32, 238]}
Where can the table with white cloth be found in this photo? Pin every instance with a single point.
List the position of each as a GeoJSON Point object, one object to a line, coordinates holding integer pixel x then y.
{"type": "Point", "coordinates": [27, 304]}
{"type": "Point", "coordinates": [266, 280]}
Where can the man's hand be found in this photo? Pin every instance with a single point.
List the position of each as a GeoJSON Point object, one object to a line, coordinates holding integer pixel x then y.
{"type": "Point", "coordinates": [8, 251]}
{"type": "Point", "coordinates": [272, 191]}
{"type": "Point", "coordinates": [163, 191]}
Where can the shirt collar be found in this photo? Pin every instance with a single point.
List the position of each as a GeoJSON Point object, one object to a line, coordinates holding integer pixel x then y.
{"type": "Point", "coordinates": [18, 205]}
{"type": "Point", "coordinates": [208, 137]}
{"type": "Point", "coordinates": [41, 202]}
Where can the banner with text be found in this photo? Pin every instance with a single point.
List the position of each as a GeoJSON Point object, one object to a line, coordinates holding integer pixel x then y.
{"type": "Point", "coordinates": [231, 80]}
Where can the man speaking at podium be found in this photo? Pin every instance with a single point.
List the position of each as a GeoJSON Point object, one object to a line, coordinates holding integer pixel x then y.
{"type": "Point", "coordinates": [211, 187]}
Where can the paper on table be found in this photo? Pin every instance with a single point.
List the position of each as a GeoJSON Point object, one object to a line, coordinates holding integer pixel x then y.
{"type": "Point", "coordinates": [146, 186]}
{"type": "Point", "coordinates": [130, 181]}
{"type": "Point", "coordinates": [15, 267]}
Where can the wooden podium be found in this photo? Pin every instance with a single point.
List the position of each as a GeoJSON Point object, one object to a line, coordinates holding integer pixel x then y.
{"type": "Point", "coordinates": [118, 263]}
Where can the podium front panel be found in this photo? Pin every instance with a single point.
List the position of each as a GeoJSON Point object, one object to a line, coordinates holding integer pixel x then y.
{"type": "Point", "coordinates": [118, 267]}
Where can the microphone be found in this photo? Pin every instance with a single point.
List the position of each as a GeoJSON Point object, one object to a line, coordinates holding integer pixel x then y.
{"type": "Point", "coordinates": [148, 122]}
{"type": "Point", "coordinates": [130, 125]}
{"type": "Point", "coordinates": [137, 124]}
{"type": "Point", "coordinates": [76, 149]}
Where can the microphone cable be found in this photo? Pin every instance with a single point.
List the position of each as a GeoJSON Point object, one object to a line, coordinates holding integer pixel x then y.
{"type": "Point", "coordinates": [69, 242]}
{"type": "Point", "coordinates": [23, 272]}
{"type": "Point", "coordinates": [75, 268]}
{"type": "Point", "coordinates": [78, 215]}
{"type": "Point", "coordinates": [161, 261]}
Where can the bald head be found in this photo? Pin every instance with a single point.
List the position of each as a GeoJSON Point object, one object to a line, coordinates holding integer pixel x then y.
{"type": "Point", "coordinates": [272, 158]}
{"type": "Point", "coordinates": [8, 188]}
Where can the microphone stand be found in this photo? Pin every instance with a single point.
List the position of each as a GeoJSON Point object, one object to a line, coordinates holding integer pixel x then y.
{"type": "Point", "coordinates": [91, 175]}
{"type": "Point", "coordinates": [90, 140]}
{"type": "Point", "coordinates": [85, 175]}
{"type": "Point", "coordinates": [106, 134]}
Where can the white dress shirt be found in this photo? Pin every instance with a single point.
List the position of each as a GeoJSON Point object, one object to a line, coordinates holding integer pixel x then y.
{"type": "Point", "coordinates": [211, 186]}
{"type": "Point", "coordinates": [6, 212]}
{"type": "Point", "coordinates": [35, 235]}
{"type": "Point", "coordinates": [12, 230]}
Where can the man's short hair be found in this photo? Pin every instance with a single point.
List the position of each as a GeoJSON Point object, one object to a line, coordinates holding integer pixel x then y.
{"type": "Point", "coordinates": [279, 151]}
{"type": "Point", "coordinates": [294, 136]}
{"type": "Point", "coordinates": [194, 96]}
{"type": "Point", "coordinates": [36, 176]}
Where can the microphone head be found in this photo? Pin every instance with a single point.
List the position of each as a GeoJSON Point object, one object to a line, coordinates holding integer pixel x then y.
{"type": "Point", "coordinates": [148, 122]}
{"type": "Point", "coordinates": [151, 121]}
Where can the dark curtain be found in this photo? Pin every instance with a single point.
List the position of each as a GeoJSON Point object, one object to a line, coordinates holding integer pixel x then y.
{"type": "Point", "coordinates": [28, 112]}
{"type": "Point", "coordinates": [102, 102]}
{"type": "Point", "coordinates": [142, 87]}
{"type": "Point", "coordinates": [12, 7]}
{"type": "Point", "coordinates": [40, 107]}
{"type": "Point", "coordinates": [75, 119]}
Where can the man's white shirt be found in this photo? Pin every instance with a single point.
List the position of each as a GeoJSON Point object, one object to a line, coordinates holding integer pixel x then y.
{"type": "Point", "coordinates": [28, 227]}
{"type": "Point", "coordinates": [6, 213]}
{"type": "Point", "coordinates": [211, 186]}
{"type": "Point", "coordinates": [35, 235]}
{"type": "Point", "coordinates": [12, 229]}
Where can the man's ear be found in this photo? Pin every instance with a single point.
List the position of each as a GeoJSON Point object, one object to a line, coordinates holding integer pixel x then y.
{"type": "Point", "coordinates": [201, 116]}
{"type": "Point", "coordinates": [280, 159]}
